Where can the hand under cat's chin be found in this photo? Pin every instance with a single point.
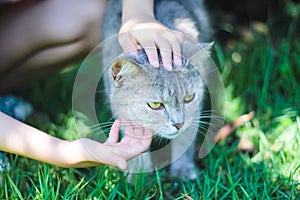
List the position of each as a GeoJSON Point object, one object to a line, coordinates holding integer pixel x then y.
{"type": "Point", "coordinates": [169, 134]}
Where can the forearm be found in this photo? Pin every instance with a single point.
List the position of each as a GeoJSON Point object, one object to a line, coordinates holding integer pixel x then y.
{"type": "Point", "coordinates": [137, 9]}
{"type": "Point", "coordinates": [19, 138]}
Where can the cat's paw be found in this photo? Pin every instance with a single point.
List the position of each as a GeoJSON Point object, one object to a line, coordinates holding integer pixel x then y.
{"type": "Point", "coordinates": [187, 171]}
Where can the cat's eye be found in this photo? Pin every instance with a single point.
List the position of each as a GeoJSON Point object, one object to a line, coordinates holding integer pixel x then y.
{"type": "Point", "coordinates": [155, 105]}
{"type": "Point", "coordinates": [189, 98]}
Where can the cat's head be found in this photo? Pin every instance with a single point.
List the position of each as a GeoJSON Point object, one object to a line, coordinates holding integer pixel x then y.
{"type": "Point", "coordinates": [168, 102]}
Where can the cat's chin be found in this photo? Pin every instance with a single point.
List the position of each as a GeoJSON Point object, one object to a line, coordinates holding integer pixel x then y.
{"type": "Point", "coordinates": [169, 136]}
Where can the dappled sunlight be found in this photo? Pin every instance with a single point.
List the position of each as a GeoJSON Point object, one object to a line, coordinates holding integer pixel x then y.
{"type": "Point", "coordinates": [259, 159]}
{"type": "Point", "coordinates": [279, 149]}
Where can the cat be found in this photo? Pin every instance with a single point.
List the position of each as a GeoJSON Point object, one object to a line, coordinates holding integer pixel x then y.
{"type": "Point", "coordinates": [167, 102]}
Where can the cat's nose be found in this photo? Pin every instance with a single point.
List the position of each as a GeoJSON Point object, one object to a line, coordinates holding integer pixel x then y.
{"type": "Point", "coordinates": [178, 125]}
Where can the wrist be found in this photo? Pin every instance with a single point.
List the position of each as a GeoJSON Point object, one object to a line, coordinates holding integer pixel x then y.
{"type": "Point", "coordinates": [137, 9]}
{"type": "Point", "coordinates": [76, 154]}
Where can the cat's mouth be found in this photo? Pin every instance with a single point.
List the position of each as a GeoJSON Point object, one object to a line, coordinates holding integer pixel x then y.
{"type": "Point", "coordinates": [169, 132]}
{"type": "Point", "coordinates": [172, 135]}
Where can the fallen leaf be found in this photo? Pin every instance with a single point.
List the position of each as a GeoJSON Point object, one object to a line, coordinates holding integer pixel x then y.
{"type": "Point", "coordinates": [227, 129]}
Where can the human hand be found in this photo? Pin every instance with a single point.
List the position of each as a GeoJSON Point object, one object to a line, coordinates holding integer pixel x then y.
{"type": "Point", "coordinates": [22, 139]}
{"type": "Point", "coordinates": [114, 153]}
{"type": "Point", "coordinates": [149, 34]}
{"type": "Point", "coordinates": [135, 141]}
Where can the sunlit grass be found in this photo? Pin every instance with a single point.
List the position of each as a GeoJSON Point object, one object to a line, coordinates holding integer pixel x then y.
{"type": "Point", "coordinates": [261, 76]}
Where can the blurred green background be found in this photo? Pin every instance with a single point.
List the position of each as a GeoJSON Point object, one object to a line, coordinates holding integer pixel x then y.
{"type": "Point", "coordinates": [257, 50]}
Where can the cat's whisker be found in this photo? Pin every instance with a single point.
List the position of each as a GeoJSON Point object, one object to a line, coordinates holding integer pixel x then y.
{"type": "Point", "coordinates": [201, 130]}
{"type": "Point", "coordinates": [211, 131]}
{"type": "Point", "coordinates": [100, 92]}
{"type": "Point", "coordinates": [213, 115]}
{"type": "Point", "coordinates": [105, 132]}
{"type": "Point", "coordinates": [213, 128]}
{"type": "Point", "coordinates": [210, 117]}
{"type": "Point", "coordinates": [101, 128]}
{"type": "Point", "coordinates": [200, 133]}
{"type": "Point", "coordinates": [210, 114]}
{"type": "Point", "coordinates": [200, 122]}
{"type": "Point", "coordinates": [98, 133]}
{"type": "Point", "coordinates": [94, 125]}
{"type": "Point", "coordinates": [100, 124]}
{"type": "Point", "coordinates": [208, 123]}
{"type": "Point", "coordinates": [112, 118]}
{"type": "Point", "coordinates": [220, 122]}
{"type": "Point", "coordinates": [159, 140]}
{"type": "Point", "coordinates": [204, 131]}
{"type": "Point", "coordinates": [209, 111]}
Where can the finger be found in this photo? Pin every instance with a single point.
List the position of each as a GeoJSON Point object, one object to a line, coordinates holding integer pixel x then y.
{"type": "Point", "coordinates": [137, 133]}
{"type": "Point", "coordinates": [130, 147]}
{"type": "Point", "coordinates": [148, 133]}
{"type": "Point", "coordinates": [165, 50]}
{"type": "Point", "coordinates": [131, 130]}
{"type": "Point", "coordinates": [152, 56]}
{"type": "Point", "coordinates": [102, 154]}
{"type": "Point", "coordinates": [114, 132]}
{"type": "Point", "coordinates": [177, 54]}
{"type": "Point", "coordinates": [128, 127]}
{"type": "Point", "coordinates": [141, 145]}
{"type": "Point", "coordinates": [151, 52]}
{"type": "Point", "coordinates": [128, 43]}
{"type": "Point", "coordinates": [116, 161]}
{"type": "Point", "coordinates": [122, 164]}
{"type": "Point", "coordinates": [176, 39]}
{"type": "Point", "coordinates": [137, 130]}
{"type": "Point", "coordinates": [141, 142]}
{"type": "Point", "coordinates": [129, 153]}
{"type": "Point", "coordinates": [146, 142]}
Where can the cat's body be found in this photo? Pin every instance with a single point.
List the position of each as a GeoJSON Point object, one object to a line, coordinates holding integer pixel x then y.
{"type": "Point", "coordinates": [167, 102]}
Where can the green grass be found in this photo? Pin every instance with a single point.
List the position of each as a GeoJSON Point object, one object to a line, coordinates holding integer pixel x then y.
{"type": "Point", "coordinates": [262, 76]}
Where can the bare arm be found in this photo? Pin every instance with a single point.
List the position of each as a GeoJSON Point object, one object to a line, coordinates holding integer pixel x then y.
{"type": "Point", "coordinates": [21, 139]}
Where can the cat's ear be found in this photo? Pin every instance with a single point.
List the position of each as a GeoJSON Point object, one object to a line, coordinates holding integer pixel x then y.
{"type": "Point", "coordinates": [191, 51]}
{"type": "Point", "coordinates": [122, 69]}
{"type": "Point", "coordinates": [198, 55]}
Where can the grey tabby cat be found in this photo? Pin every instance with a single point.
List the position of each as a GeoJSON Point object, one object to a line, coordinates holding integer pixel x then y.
{"type": "Point", "coordinates": [169, 103]}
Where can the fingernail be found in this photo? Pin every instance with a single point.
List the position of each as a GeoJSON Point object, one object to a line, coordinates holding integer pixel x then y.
{"type": "Point", "coordinates": [155, 64]}
{"type": "Point", "coordinates": [169, 67]}
{"type": "Point", "coordinates": [177, 60]}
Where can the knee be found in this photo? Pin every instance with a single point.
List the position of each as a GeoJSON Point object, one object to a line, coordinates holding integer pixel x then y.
{"type": "Point", "coordinates": [92, 29]}
{"type": "Point", "coordinates": [80, 22]}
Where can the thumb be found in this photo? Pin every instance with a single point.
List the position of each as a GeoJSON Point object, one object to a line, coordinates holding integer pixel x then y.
{"type": "Point", "coordinates": [122, 164]}
{"type": "Point", "coordinates": [101, 153]}
{"type": "Point", "coordinates": [117, 161]}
